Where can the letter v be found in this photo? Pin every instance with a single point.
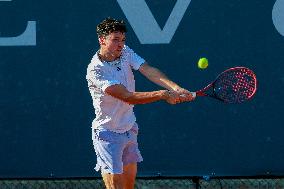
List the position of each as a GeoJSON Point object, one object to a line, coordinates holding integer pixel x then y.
{"type": "Point", "coordinates": [145, 25]}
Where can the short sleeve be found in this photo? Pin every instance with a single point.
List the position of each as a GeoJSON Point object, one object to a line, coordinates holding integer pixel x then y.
{"type": "Point", "coordinates": [134, 59]}
{"type": "Point", "coordinates": [98, 76]}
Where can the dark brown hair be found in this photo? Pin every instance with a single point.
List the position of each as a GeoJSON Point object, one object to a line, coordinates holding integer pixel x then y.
{"type": "Point", "coordinates": [110, 25]}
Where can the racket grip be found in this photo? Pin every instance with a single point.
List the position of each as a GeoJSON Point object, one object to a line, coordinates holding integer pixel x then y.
{"type": "Point", "coordinates": [192, 93]}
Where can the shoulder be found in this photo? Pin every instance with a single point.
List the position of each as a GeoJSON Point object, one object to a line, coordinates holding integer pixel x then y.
{"type": "Point", "coordinates": [95, 63]}
{"type": "Point", "coordinates": [96, 66]}
{"type": "Point", "coordinates": [129, 54]}
{"type": "Point", "coordinates": [127, 50]}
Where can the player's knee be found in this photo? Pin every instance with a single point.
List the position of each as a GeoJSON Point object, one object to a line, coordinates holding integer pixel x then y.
{"type": "Point", "coordinates": [117, 178]}
{"type": "Point", "coordinates": [114, 181]}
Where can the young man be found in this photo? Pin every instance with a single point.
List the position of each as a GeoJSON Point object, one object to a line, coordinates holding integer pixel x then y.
{"type": "Point", "coordinates": [112, 87]}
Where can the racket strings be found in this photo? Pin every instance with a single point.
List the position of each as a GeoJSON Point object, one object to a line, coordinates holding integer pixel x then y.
{"type": "Point", "coordinates": [236, 85]}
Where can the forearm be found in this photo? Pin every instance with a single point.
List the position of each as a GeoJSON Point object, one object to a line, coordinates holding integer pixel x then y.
{"type": "Point", "coordinates": [145, 97]}
{"type": "Point", "coordinates": [156, 76]}
{"type": "Point", "coordinates": [161, 79]}
{"type": "Point", "coordinates": [120, 92]}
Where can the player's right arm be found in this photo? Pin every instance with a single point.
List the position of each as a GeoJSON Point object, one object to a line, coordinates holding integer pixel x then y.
{"type": "Point", "coordinates": [99, 77]}
{"type": "Point", "coordinates": [120, 92]}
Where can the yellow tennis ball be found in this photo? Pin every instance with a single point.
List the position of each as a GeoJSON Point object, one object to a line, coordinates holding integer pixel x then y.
{"type": "Point", "coordinates": [203, 63]}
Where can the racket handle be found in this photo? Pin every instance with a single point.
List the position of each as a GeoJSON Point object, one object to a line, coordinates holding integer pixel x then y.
{"type": "Point", "coordinates": [192, 93]}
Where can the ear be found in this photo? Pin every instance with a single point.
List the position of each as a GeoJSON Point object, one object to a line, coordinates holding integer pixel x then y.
{"type": "Point", "coordinates": [102, 40]}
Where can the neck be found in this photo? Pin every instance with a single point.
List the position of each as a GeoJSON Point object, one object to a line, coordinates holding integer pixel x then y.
{"type": "Point", "coordinates": [106, 56]}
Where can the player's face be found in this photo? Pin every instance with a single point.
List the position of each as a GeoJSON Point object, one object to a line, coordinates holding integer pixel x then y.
{"type": "Point", "coordinates": [113, 43]}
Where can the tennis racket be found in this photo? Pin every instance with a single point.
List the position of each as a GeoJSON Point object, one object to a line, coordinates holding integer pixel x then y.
{"type": "Point", "coordinates": [234, 85]}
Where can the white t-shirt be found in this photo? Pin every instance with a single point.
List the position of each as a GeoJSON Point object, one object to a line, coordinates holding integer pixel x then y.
{"type": "Point", "coordinates": [111, 113]}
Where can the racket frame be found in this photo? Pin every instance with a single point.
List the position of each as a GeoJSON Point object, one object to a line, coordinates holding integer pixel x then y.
{"type": "Point", "coordinates": [202, 92]}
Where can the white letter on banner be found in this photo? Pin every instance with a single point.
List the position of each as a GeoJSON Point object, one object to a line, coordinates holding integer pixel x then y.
{"type": "Point", "coordinates": [145, 25]}
{"type": "Point", "coordinates": [28, 38]}
{"type": "Point", "coordinates": [278, 16]}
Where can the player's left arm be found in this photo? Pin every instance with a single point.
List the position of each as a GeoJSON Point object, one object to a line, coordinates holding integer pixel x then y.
{"type": "Point", "coordinates": [159, 78]}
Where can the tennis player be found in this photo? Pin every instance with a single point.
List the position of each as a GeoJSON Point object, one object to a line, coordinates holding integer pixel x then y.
{"type": "Point", "coordinates": [112, 87]}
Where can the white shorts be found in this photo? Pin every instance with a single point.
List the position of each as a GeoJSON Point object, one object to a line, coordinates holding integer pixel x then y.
{"type": "Point", "coordinates": [114, 150]}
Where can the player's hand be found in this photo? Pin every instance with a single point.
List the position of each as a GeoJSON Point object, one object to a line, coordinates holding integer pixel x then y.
{"type": "Point", "coordinates": [172, 97]}
{"type": "Point", "coordinates": [184, 95]}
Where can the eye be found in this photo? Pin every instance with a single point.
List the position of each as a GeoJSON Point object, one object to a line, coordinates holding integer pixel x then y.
{"type": "Point", "coordinates": [115, 40]}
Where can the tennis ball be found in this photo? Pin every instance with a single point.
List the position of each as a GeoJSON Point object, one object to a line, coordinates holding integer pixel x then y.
{"type": "Point", "coordinates": [203, 63]}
